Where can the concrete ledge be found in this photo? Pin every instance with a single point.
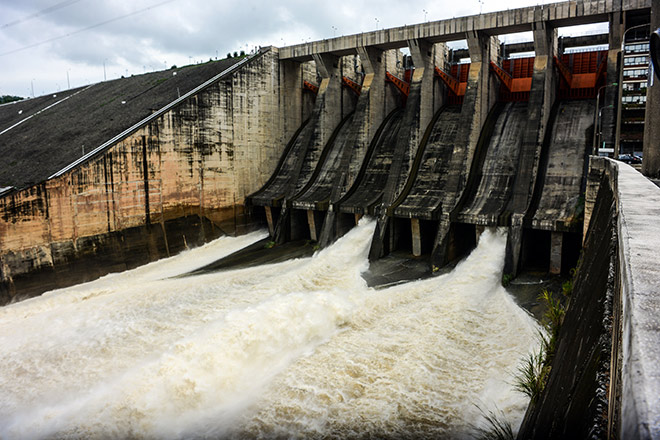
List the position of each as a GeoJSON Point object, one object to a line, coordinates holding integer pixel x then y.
{"type": "Point", "coordinates": [568, 13]}
{"type": "Point", "coordinates": [639, 251]}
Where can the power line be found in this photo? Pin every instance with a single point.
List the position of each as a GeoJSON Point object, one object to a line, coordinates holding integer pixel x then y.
{"type": "Point", "coordinates": [121, 17]}
{"type": "Point", "coordinates": [45, 11]}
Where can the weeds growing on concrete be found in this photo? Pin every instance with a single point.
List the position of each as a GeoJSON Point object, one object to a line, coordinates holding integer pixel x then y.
{"type": "Point", "coordinates": [554, 313]}
{"type": "Point", "coordinates": [534, 372]}
{"type": "Point", "coordinates": [498, 428]}
{"type": "Point", "coordinates": [532, 375]}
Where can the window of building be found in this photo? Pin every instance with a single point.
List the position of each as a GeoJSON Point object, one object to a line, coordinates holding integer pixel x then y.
{"type": "Point", "coordinates": [637, 48]}
{"type": "Point", "coordinates": [635, 61]}
{"type": "Point", "coordinates": [634, 99]}
{"type": "Point", "coordinates": [635, 73]}
{"type": "Point", "coordinates": [635, 86]}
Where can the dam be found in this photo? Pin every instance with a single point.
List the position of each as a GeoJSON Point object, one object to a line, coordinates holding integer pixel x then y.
{"type": "Point", "coordinates": [479, 164]}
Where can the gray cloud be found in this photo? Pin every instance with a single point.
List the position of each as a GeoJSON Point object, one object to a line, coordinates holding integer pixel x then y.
{"type": "Point", "coordinates": [182, 31]}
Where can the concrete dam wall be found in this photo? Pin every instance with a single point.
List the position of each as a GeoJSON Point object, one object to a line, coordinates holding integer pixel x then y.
{"type": "Point", "coordinates": [175, 180]}
{"type": "Point", "coordinates": [436, 173]}
{"type": "Point", "coordinates": [121, 173]}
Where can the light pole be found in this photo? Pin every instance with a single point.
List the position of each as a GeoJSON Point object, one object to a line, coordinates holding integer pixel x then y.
{"type": "Point", "coordinates": [376, 22]}
{"type": "Point", "coordinates": [425, 12]}
{"type": "Point", "coordinates": [334, 31]}
{"type": "Point", "coordinates": [617, 140]}
{"type": "Point", "coordinates": [597, 118]}
{"type": "Point", "coordinates": [104, 76]}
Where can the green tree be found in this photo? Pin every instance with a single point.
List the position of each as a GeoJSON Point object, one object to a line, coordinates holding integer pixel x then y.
{"type": "Point", "coordinates": [9, 98]}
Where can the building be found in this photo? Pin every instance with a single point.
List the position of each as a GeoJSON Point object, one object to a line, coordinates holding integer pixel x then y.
{"type": "Point", "coordinates": [633, 94]}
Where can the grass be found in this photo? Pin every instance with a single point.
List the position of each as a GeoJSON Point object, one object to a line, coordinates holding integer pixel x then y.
{"type": "Point", "coordinates": [498, 427]}
{"type": "Point", "coordinates": [269, 245]}
{"type": "Point", "coordinates": [554, 313]}
{"type": "Point", "coordinates": [534, 372]}
{"type": "Point", "coordinates": [532, 375]}
{"type": "Point", "coordinates": [506, 279]}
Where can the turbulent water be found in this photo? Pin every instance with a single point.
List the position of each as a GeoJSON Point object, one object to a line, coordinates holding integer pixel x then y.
{"type": "Point", "coordinates": [297, 349]}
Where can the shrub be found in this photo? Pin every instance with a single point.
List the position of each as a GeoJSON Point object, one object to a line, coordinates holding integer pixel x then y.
{"type": "Point", "coordinates": [534, 372]}
{"type": "Point", "coordinates": [532, 375]}
{"type": "Point", "coordinates": [498, 427]}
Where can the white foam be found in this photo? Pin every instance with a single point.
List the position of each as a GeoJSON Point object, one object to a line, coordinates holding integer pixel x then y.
{"type": "Point", "coordinates": [299, 348]}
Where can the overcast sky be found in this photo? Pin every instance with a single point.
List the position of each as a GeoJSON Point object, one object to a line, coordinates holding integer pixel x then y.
{"type": "Point", "coordinates": [51, 45]}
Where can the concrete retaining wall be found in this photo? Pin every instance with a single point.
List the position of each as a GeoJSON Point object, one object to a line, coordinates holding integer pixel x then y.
{"type": "Point", "coordinates": [605, 380]}
{"type": "Point", "coordinates": [197, 161]}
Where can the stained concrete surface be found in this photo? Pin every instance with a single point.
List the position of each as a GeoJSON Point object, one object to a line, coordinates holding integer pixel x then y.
{"type": "Point", "coordinates": [320, 184]}
{"type": "Point", "coordinates": [559, 204]}
{"type": "Point", "coordinates": [497, 175]}
{"type": "Point", "coordinates": [427, 191]}
{"type": "Point", "coordinates": [369, 185]}
{"type": "Point", "coordinates": [52, 139]}
{"type": "Point", "coordinates": [278, 185]}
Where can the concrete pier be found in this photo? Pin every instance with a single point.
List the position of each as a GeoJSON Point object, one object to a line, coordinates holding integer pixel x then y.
{"type": "Point", "coordinates": [479, 98]}
{"type": "Point", "coordinates": [541, 99]}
